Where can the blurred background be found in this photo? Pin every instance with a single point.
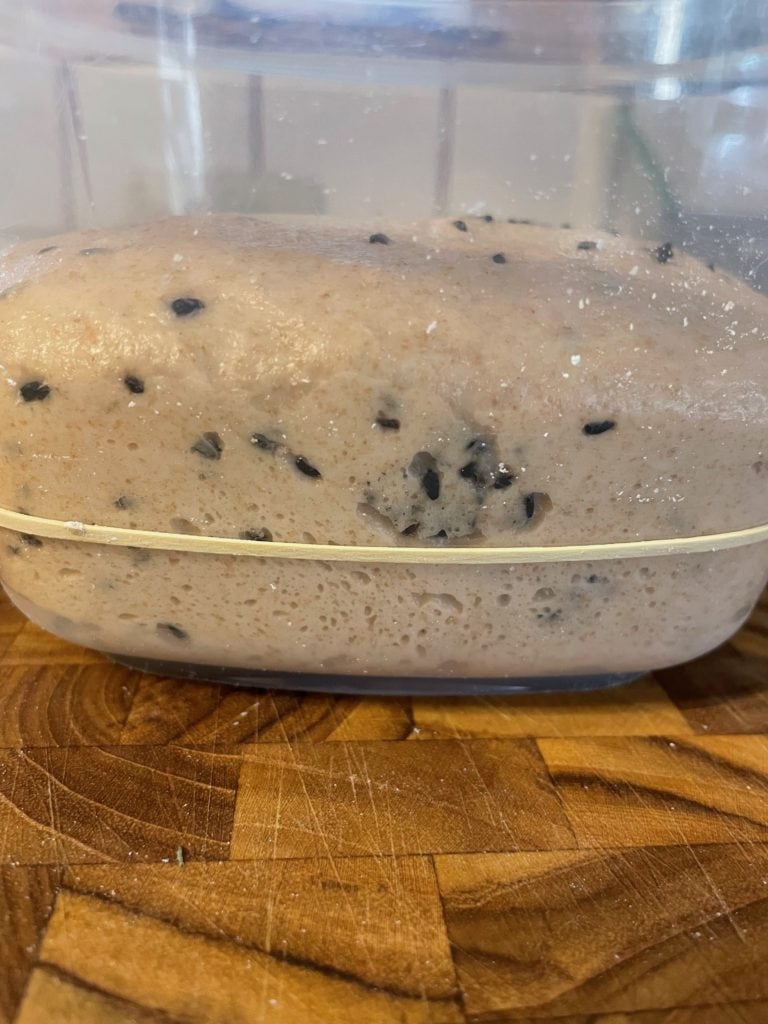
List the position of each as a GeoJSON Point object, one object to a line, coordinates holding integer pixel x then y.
{"type": "Point", "coordinates": [646, 117]}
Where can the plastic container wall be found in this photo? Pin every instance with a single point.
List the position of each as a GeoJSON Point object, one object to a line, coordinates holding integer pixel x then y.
{"type": "Point", "coordinates": [612, 389]}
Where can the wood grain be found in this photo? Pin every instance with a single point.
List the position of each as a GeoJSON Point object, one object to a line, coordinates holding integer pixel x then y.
{"type": "Point", "coordinates": [724, 692]}
{"type": "Point", "coordinates": [187, 853]}
{"type": "Point", "coordinates": [202, 714]}
{"type": "Point", "coordinates": [144, 959]}
{"type": "Point", "coordinates": [11, 622]}
{"type": "Point", "coordinates": [26, 900]}
{"type": "Point", "coordinates": [540, 935]}
{"type": "Point", "coordinates": [302, 913]}
{"type": "Point", "coordinates": [640, 709]}
{"type": "Point", "coordinates": [736, 1013]}
{"type": "Point", "coordinates": [32, 646]}
{"type": "Point", "coordinates": [69, 705]}
{"type": "Point", "coordinates": [752, 639]}
{"type": "Point", "coordinates": [91, 804]}
{"type": "Point", "coordinates": [648, 791]}
{"type": "Point", "coordinates": [54, 997]}
{"type": "Point", "coordinates": [360, 799]}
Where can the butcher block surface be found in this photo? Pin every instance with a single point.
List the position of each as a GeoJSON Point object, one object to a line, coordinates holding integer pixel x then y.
{"type": "Point", "coordinates": [184, 852]}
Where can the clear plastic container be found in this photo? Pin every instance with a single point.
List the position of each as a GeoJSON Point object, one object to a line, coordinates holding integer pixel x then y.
{"type": "Point", "coordinates": [385, 348]}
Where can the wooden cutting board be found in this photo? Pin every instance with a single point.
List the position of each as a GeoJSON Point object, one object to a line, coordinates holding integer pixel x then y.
{"type": "Point", "coordinates": [181, 852]}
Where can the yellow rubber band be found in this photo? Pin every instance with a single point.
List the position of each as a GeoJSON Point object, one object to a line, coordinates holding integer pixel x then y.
{"type": "Point", "coordinates": [118, 537]}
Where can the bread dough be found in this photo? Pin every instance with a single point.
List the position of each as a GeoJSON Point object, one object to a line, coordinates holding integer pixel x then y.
{"type": "Point", "coordinates": [291, 379]}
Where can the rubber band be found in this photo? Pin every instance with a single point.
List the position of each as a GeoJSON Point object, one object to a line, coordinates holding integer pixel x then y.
{"type": "Point", "coordinates": [57, 529]}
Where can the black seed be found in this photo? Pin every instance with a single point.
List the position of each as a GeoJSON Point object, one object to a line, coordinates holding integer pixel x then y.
{"type": "Point", "coordinates": [379, 239]}
{"type": "Point", "coordinates": [410, 530]}
{"type": "Point", "coordinates": [387, 422]}
{"type": "Point", "coordinates": [210, 446]}
{"type": "Point", "coordinates": [499, 257]}
{"type": "Point", "coordinates": [262, 534]}
{"type": "Point", "coordinates": [31, 540]}
{"type": "Point", "coordinates": [187, 306]}
{"type": "Point", "coordinates": [306, 467]}
{"type": "Point", "coordinates": [487, 218]}
{"type": "Point", "coordinates": [48, 248]}
{"type": "Point", "coordinates": [598, 427]}
{"type": "Point", "coordinates": [594, 578]}
{"type": "Point", "coordinates": [265, 443]}
{"type": "Point", "coordinates": [431, 484]}
{"type": "Point", "coordinates": [177, 631]}
{"type": "Point", "coordinates": [470, 472]}
{"type": "Point", "coordinates": [123, 502]}
{"type": "Point", "coordinates": [94, 250]}
{"type": "Point", "coordinates": [587, 245]}
{"type": "Point", "coordinates": [461, 225]}
{"type": "Point", "coordinates": [503, 478]}
{"type": "Point", "coordinates": [711, 266]}
{"type": "Point", "coordinates": [440, 533]}
{"type": "Point", "coordinates": [134, 384]}
{"type": "Point", "coordinates": [664, 252]}
{"type": "Point", "coordinates": [34, 391]}
{"type": "Point", "coordinates": [530, 506]}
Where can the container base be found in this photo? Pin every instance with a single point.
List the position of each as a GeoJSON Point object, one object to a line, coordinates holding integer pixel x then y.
{"type": "Point", "coordinates": [375, 686]}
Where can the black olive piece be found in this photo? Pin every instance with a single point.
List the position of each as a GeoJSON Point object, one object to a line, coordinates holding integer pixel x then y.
{"type": "Point", "coordinates": [48, 248]}
{"type": "Point", "coordinates": [598, 427]}
{"type": "Point", "coordinates": [262, 535]}
{"type": "Point", "coordinates": [34, 391]}
{"type": "Point", "coordinates": [187, 306]}
{"type": "Point", "coordinates": [379, 239]}
{"type": "Point", "coordinates": [307, 468]}
{"type": "Point", "coordinates": [210, 446]}
{"type": "Point", "coordinates": [31, 540]}
{"type": "Point", "coordinates": [586, 246]}
{"type": "Point", "coordinates": [431, 484]}
{"type": "Point", "coordinates": [503, 479]}
{"type": "Point", "coordinates": [499, 257]}
{"type": "Point", "coordinates": [387, 422]}
{"type": "Point", "coordinates": [664, 253]}
{"type": "Point", "coordinates": [470, 472]}
{"type": "Point", "coordinates": [536, 504]}
{"type": "Point", "coordinates": [460, 225]}
{"type": "Point", "coordinates": [410, 530]}
{"type": "Point", "coordinates": [176, 631]}
{"type": "Point", "coordinates": [134, 384]}
{"type": "Point", "coordinates": [123, 502]}
{"type": "Point", "coordinates": [265, 443]}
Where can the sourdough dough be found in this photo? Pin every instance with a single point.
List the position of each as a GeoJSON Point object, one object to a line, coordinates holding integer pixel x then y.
{"type": "Point", "coordinates": [300, 380]}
